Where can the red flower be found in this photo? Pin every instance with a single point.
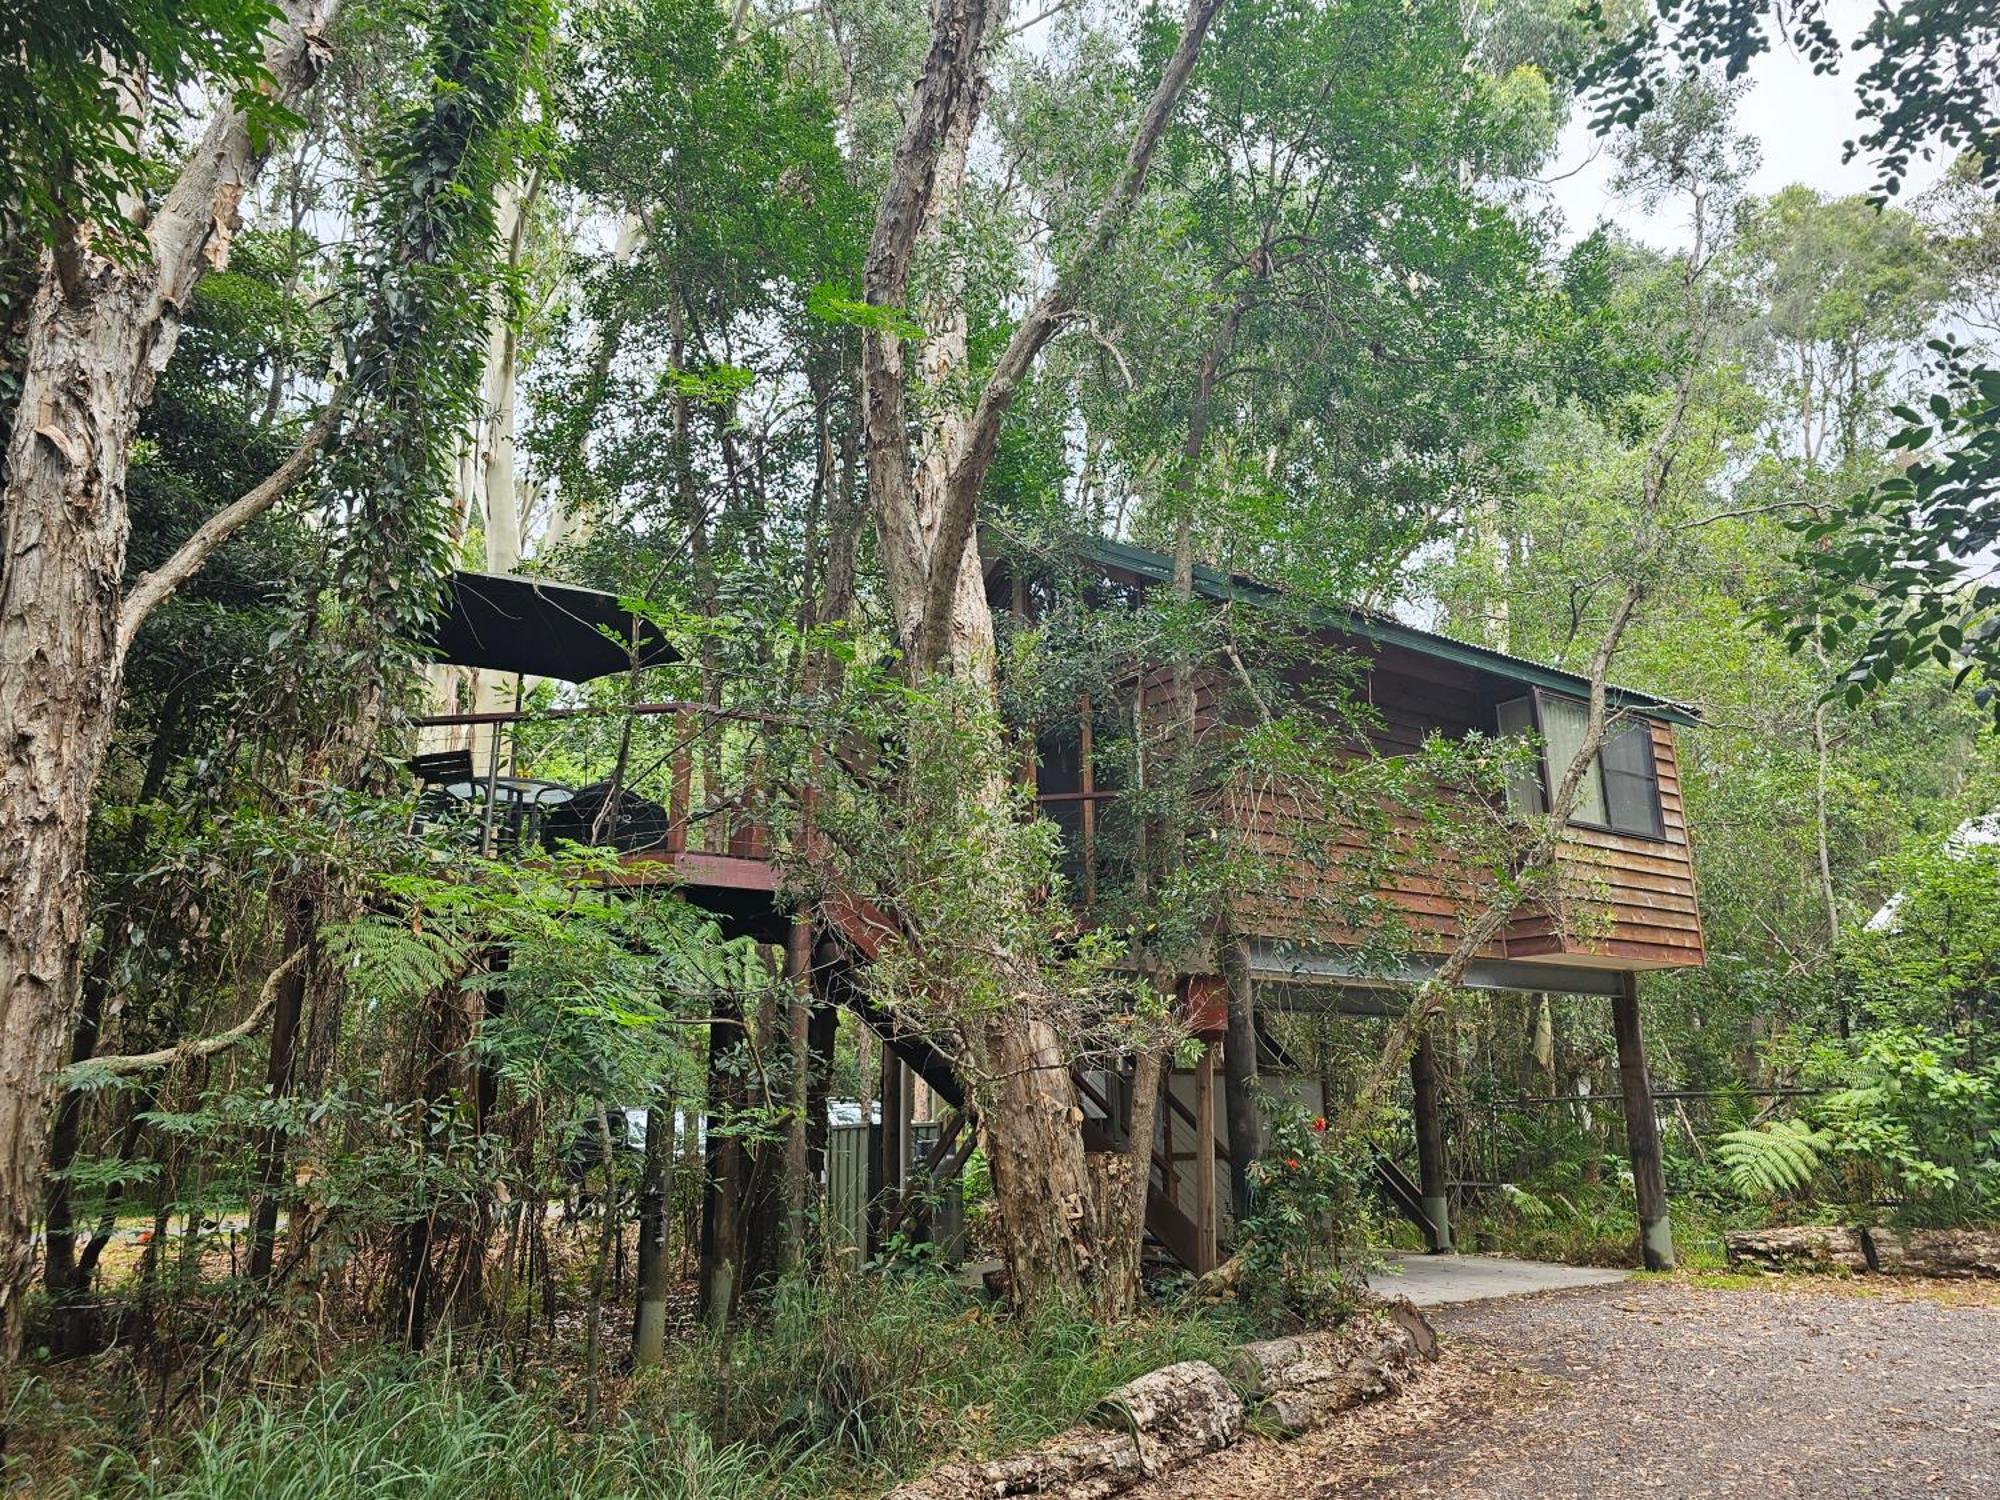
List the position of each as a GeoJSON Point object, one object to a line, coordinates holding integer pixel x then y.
{"type": "Point", "coordinates": [1292, 1162]}
{"type": "Point", "coordinates": [1319, 1123]}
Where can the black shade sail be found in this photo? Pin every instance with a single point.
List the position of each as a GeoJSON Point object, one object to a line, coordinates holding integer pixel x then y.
{"type": "Point", "coordinates": [539, 629]}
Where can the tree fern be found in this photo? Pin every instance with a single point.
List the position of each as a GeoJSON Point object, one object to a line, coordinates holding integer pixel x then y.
{"type": "Point", "coordinates": [1526, 1204]}
{"type": "Point", "coordinates": [1781, 1157]}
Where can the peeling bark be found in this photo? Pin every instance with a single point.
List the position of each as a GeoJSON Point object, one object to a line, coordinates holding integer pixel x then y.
{"type": "Point", "coordinates": [924, 508]}
{"type": "Point", "coordinates": [96, 343]}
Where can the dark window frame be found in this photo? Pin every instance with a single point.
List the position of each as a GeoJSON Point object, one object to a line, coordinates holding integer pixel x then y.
{"type": "Point", "coordinates": [1657, 832]}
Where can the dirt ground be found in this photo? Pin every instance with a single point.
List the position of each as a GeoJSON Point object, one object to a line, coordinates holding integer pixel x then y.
{"type": "Point", "coordinates": [1666, 1389]}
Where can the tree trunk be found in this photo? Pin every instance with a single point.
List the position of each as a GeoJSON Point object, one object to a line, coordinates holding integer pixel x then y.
{"type": "Point", "coordinates": [924, 512]}
{"type": "Point", "coordinates": [278, 1076]}
{"type": "Point", "coordinates": [1431, 1175]}
{"type": "Point", "coordinates": [722, 1199]}
{"type": "Point", "coordinates": [1121, 1181]}
{"type": "Point", "coordinates": [95, 347]}
{"type": "Point", "coordinates": [1239, 1079]}
{"type": "Point", "coordinates": [1810, 1247]}
{"type": "Point", "coordinates": [656, 1269]}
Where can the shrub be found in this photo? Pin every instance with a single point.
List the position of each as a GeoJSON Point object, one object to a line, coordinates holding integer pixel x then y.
{"type": "Point", "coordinates": [1315, 1211]}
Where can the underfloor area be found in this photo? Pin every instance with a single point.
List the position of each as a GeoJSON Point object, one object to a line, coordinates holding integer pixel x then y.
{"type": "Point", "coordinates": [1665, 1388]}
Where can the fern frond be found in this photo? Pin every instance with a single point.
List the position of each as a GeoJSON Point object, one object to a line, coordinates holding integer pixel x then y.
{"type": "Point", "coordinates": [391, 960]}
{"type": "Point", "coordinates": [1526, 1204]}
{"type": "Point", "coordinates": [1782, 1157]}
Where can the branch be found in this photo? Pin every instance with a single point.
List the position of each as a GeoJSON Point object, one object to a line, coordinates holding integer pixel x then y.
{"type": "Point", "coordinates": [1037, 328]}
{"type": "Point", "coordinates": [1535, 864]}
{"type": "Point", "coordinates": [155, 588]}
{"type": "Point", "coordinates": [139, 1062]}
{"type": "Point", "coordinates": [197, 219]}
{"type": "Point", "coordinates": [1035, 20]}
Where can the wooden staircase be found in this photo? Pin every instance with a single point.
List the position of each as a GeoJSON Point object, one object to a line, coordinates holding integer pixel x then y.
{"type": "Point", "coordinates": [1403, 1194]}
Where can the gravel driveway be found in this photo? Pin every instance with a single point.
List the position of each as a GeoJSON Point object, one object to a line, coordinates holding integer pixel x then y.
{"type": "Point", "coordinates": [1667, 1389]}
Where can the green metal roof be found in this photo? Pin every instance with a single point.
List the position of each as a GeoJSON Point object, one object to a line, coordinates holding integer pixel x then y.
{"type": "Point", "coordinates": [1384, 630]}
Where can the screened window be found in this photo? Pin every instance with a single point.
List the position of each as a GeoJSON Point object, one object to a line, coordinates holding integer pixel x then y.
{"type": "Point", "coordinates": [1620, 790]}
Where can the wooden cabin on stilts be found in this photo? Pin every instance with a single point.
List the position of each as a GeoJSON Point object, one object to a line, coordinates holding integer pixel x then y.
{"type": "Point", "coordinates": [1276, 949]}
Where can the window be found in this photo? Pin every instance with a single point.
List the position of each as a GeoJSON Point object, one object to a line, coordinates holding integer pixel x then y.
{"type": "Point", "coordinates": [1620, 790]}
{"type": "Point", "coordinates": [1524, 782]}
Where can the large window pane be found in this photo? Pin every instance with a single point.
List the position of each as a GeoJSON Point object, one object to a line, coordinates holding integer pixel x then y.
{"type": "Point", "coordinates": [1563, 723]}
{"type": "Point", "coordinates": [1524, 783]}
{"type": "Point", "coordinates": [1631, 785]}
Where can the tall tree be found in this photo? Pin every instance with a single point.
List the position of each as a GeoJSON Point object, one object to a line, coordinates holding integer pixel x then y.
{"type": "Point", "coordinates": [925, 503]}
{"type": "Point", "coordinates": [99, 331]}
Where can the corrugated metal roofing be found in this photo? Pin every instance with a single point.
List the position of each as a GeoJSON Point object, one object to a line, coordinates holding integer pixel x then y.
{"type": "Point", "coordinates": [1385, 630]}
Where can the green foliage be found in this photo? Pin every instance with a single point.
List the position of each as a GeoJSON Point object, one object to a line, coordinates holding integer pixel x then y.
{"type": "Point", "coordinates": [863, 1380]}
{"type": "Point", "coordinates": [1930, 68]}
{"type": "Point", "coordinates": [1918, 1134]}
{"type": "Point", "coordinates": [72, 148]}
{"type": "Point", "coordinates": [1888, 587]}
{"type": "Point", "coordinates": [413, 305]}
{"type": "Point", "coordinates": [420, 1429]}
{"type": "Point", "coordinates": [1777, 1159]}
{"type": "Point", "coordinates": [1887, 569]}
{"type": "Point", "coordinates": [1314, 1210]}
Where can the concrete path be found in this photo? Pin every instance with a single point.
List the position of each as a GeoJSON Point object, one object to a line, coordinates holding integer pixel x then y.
{"type": "Point", "coordinates": [1431, 1280]}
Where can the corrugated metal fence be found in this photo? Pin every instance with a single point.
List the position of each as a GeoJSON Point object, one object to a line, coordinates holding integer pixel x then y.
{"type": "Point", "coordinates": [847, 1186]}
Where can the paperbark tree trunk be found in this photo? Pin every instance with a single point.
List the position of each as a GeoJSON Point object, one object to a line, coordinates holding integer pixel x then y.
{"type": "Point", "coordinates": [925, 509]}
{"type": "Point", "coordinates": [1122, 1182]}
{"type": "Point", "coordinates": [96, 342]}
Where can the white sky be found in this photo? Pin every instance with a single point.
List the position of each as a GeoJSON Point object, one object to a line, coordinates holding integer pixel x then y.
{"type": "Point", "coordinates": [1800, 122]}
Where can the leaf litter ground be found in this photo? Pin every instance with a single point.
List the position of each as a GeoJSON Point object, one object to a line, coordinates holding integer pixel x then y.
{"type": "Point", "coordinates": [1670, 1388]}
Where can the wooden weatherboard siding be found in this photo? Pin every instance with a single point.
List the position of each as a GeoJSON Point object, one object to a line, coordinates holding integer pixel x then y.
{"type": "Point", "coordinates": [1627, 902]}
{"type": "Point", "coordinates": [1631, 903]}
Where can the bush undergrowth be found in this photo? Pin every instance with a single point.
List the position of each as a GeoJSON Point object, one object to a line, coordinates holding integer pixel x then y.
{"type": "Point", "coordinates": [843, 1385]}
{"type": "Point", "coordinates": [862, 1378]}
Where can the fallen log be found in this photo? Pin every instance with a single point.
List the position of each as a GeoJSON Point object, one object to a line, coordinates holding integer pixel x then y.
{"type": "Point", "coordinates": [1805, 1247]}
{"type": "Point", "coordinates": [1300, 1381]}
{"type": "Point", "coordinates": [1933, 1252]}
{"type": "Point", "coordinates": [1151, 1426]}
{"type": "Point", "coordinates": [1169, 1418]}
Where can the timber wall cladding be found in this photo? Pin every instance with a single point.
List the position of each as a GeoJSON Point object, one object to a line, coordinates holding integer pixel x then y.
{"type": "Point", "coordinates": [1627, 902]}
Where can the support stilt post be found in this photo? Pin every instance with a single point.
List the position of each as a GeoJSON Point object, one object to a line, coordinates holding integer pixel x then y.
{"type": "Point", "coordinates": [1239, 1078]}
{"type": "Point", "coordinates": [1430, 1142]}
{"type": "Point", "coordinates": [1204, 1160]}
{"type": "Point", "coordinates": [1642, 1129]}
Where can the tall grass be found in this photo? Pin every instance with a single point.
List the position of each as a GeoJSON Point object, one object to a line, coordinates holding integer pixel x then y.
{"type": "Point", "coordinates": [839, 1386]}
{"type": "Point", "coordinates": [400, 1431]}
{"type": "Point", "coordinates": [866, 1379]}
